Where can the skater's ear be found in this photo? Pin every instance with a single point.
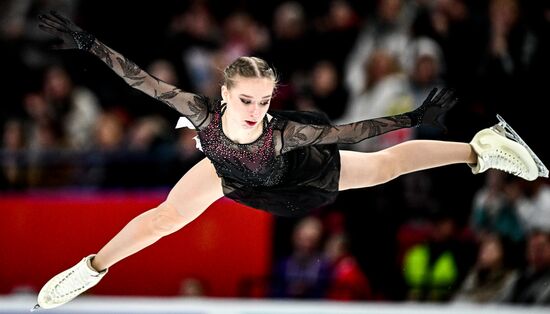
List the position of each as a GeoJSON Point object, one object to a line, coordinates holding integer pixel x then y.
{"type": "Point", "coordinates": [225, 93]}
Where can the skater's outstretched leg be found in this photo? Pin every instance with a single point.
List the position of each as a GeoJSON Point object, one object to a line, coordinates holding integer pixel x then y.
{"type": "Point", "coordinates": [190, 197]}
{"type": "Point", "coordinates": [498, 147]}
{"type": "Point", "coordinates": [368, 169]}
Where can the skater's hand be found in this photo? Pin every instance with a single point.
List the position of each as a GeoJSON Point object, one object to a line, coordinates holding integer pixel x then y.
{"type": "Point", "coordinates": [433, 107]}
{"type": "Point", "coordinates": [72, 36]}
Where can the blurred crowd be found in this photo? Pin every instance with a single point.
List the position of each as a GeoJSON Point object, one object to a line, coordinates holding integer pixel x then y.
{"type": "Point", "coordinates": [67, 121]}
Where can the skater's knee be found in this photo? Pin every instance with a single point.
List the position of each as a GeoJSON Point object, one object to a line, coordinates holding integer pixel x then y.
{"type": "Point", "coordinates": [165, 219]}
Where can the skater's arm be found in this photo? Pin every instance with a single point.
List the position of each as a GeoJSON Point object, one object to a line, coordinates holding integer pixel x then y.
{"type": "Point", "coordinates": [297, 134]}
{"type": "Point", "coordinates": [190, 105]}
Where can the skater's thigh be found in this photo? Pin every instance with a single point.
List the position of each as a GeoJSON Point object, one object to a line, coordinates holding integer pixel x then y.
{"type": "Point", "coordinates": [360, 170]}
{"type": "Point", "coordinates": [196, 190]}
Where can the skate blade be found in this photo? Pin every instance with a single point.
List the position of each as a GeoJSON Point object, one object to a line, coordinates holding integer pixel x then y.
{"type": "Point", "coordinates": [505, 129]}
{"type": "Point", "coordinates": [35, 308]}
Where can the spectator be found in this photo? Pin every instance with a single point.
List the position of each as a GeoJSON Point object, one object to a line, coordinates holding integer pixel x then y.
{"type": "Point", "coordinates": [433, 269]}
{"type": "Point", "coordinates": [75, 107]}
{"type": "Point", "coordinates": [45, 143]}
{"type": "Point", "coordinates": [290, 41]}
{"type": "Point", "coordinates": [533, 203]}
{"type": "Point", "coordinates": [339, 26]}
{"type": "Point", "coordinates": [194, 36]}
{"type": "Point", "coordinates": [13, 174]}
{"type": "Point", "coordinates": [494, 211]}
{"type": "Point", "coordinates": [347, 282]}
{"type": "Point", "coordinates": [489, 276]}
{"type": "Point", "coordinates": [531, 286]}
{"type": "Point", "coordinates": [510, 51]}
{"type": "Point", "coordinates": [145, 133]}
{"type": "Point", "coordinates": [107, 169]}
{"type": "Point", "coordinates": [305, 273]}
{"type": "Point", "coordinates": [324, 91]}
{"type": "Point", "coordinates": [387, 30]}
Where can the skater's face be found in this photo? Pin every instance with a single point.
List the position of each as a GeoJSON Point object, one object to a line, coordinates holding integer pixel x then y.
{"type": "Point", "coordinates": [248, 100]}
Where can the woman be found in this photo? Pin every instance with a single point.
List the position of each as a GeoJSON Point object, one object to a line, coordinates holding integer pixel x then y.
{"type": "Point", "coordinates": [490, 276]}
{"type": "Point", "coordinates": [281, 162]}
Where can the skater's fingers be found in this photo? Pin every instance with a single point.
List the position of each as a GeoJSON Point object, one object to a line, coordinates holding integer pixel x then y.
{"type": "Point", "coordinates": [437, 97]}
{"type": "Point", "coordinates": [53, 15]}
{"type": "Point", "coordinates": [431, 94]}
{"type": "Point", "coordinates": [53, 27]}
{"type": "Point", "coordinates": [61, 17]}
{"type": "Point", "coordinates": [50, 30]}
{"type": "Point", "coordinates": [49, 17]}
{"type": "Point", "coordinates": [447, 97]}
{"type": "Point", "coordinates": [52, 23]}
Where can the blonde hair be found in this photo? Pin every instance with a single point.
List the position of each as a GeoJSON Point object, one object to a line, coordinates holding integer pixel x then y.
{"type": "Point", "coordinates": [248, 67]}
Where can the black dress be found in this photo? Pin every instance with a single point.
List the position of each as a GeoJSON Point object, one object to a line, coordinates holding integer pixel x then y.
{"type": "Point", "coordinates": [293, 167]}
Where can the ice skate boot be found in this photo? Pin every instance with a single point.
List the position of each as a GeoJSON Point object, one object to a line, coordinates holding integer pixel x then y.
{"type": "Point", "coordinates": [68, 284]}
{"type": "Point", "coordinates": [500, 147]}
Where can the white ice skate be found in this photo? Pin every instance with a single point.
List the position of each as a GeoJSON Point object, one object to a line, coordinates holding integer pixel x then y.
{"type": "Point", "coordinates": [68, 284]}
{"type": "Point", "coordinates": [500, 147]}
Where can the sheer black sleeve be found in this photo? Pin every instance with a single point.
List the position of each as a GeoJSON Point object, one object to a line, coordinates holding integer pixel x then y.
{"type": "Point", "coordinates": [296, 134]}
{"type": "Point", "coordinates": [192, 106]}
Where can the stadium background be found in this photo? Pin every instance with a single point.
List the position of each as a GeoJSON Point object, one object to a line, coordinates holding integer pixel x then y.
{"type": "Point", "coordinates": [82, 152]}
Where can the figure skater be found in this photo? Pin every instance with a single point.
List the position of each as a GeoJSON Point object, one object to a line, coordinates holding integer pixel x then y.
{"type": "Point", "coordinates": [282, 162]}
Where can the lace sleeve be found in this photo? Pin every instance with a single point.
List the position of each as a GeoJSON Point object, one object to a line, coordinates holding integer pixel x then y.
{"type": "Point", "coordinates": [192, 106]}
{"type": "Point", "coordinates": [297, 134]}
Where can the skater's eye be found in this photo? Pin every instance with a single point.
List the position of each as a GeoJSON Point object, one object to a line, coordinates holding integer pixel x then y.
{"type": "Point", "coordinates": [264, 103]}
{"type": "Point", "coordinates": [246, 101]}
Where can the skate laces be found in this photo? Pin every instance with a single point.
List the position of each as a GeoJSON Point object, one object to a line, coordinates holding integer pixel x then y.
{"type": "Point", "coordinates": [501, 160]}
{"type": "Point", "coordinates": [75, 282]}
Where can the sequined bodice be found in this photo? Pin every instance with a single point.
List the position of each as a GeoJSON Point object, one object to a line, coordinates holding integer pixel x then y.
{"type": "Point", "coordinates": [253, 164]}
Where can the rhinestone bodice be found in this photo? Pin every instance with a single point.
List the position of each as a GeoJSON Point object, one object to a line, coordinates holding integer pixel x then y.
{"type": "Point", "coordinates": [253, 164]}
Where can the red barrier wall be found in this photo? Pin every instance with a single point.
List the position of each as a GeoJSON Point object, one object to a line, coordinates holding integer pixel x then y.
{"type": "Point", "coordinates": [43, 234]}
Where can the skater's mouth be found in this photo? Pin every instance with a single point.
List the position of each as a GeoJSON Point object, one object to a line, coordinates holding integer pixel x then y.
{"type": "Point", "coordinates": [250, 123]}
